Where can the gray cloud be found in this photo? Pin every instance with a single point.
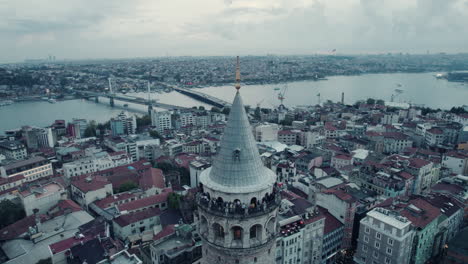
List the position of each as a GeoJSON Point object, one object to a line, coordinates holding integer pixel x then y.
{"type": "Point", "coordinates": [119, 28]}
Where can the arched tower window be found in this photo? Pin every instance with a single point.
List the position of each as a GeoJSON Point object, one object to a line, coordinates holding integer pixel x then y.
{"type": "Point", "coordinates": [271, 226]}
{"type": "Point", "coordinates": [218, 231]}
{"type": "Point", "coordinates": [255, 232]}
{"type": "Point", "coordinates": [237, 233]}
{"type": "Point", "coordinates": [203, 226]}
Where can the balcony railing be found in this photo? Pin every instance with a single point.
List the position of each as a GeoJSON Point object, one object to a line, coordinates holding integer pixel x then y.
{"type": "Point", "coordinates": [238, 210]}
{"type": "Point", "coordinates": [238, 245]}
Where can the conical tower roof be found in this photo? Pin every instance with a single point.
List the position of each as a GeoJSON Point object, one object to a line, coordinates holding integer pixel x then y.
{"type": "Point", "coordinates": [238, 168]}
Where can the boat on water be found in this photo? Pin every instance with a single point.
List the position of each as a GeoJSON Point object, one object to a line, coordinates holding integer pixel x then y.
{"type": "Point", "coordinates": [439, 76]}
{"type": "Point", "coordinates": [276, 89]}
{"type": "Point", "coordinates": [125, 105]}
{"type": "Point", "coordinates": [52, 101]}
{"type": "Point", "coordinates": [6, 102]}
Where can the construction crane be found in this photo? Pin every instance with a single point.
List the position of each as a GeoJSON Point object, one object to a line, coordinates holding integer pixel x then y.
{"type": "Point", "coordinates": [258, 104]}
{"type": "Point", "coordinates": [282, 93]}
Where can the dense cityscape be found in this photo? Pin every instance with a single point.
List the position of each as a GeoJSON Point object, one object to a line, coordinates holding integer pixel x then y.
{"type": "Point", "coordinates": [31, 80]}
{"type": "Point", "coordinates": [369, 182]}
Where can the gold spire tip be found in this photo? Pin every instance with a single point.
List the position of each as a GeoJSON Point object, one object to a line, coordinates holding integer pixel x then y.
{"type": "Point", "coordinates": [238, 74]}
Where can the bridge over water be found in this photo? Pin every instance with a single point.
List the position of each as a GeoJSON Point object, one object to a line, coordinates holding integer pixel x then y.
{"type": "Point", "coordinates": [128, 99]}
{"type": "Point", "coordinates": [202, 97]}
{"type": "Point", "coordinates": [199, 96]}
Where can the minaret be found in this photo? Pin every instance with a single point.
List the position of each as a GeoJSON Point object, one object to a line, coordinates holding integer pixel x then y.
{"type": "Point", "coordinates": [238, 198]}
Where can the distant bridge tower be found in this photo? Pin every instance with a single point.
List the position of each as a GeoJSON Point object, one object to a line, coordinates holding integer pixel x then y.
{"type": "Point", "coordinates": [150, 105]}
{"type": "Point", "coordinates": [111, 94]}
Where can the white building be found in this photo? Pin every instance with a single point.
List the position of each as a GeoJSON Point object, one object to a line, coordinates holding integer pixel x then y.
{"type": "Point", "coordinates": [395, 142]}
{"type": "Point", "coordinates": [457, 162]}
{"type": "Point", "coordinates": [161, 120]}
{"type": "Point", "coordinates": [32, 169]}
{"type": "Point", "coordinates": [95, 162]}
{"type": "Point", "coordinates": [196, 167]}
{"type": "Point", "coordinates": [132, 226]}
{"type": "Point", "coordinates": [85, 190]}
{"type": "Point", "coordinates": [13, 149]}
{"type": "Point", "coordinates": [42, 197]}
{"type": "Point", "coordinates": [266, 132]}
{"type": "Point", "coordinates": [187, 119]}
{"type": "Point", "coordinates": [384, 237]}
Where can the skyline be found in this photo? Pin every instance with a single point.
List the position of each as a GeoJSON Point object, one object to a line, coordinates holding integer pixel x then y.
{"type": "Point", "coordinates": [86, 30]}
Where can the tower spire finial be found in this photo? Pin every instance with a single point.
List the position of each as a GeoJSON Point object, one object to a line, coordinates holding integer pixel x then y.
{"type": "Point", "coordinates": [238, 86]}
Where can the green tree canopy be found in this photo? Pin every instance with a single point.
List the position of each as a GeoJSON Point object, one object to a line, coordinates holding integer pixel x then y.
{"type": "Point", "coordinates": [143, 121]}
{"type": "Point", "coordinates": [45, 261]}
{"type": "Point", "coordinates": [10, 213]}
{"type": "Point", "coordinates": [127, 186]}
{"type": "Point", "coordinates": [173, 200]}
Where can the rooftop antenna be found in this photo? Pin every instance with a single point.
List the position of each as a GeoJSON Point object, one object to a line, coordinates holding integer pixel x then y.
{"type": "Point", "coordinates": [238, 86]}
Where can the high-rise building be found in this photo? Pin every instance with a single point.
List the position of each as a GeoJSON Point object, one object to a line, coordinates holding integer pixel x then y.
{"type": "Point", "coordinates": [238, 200]}
{"type": "Point", "coordinates": [38, 137]}
{"type": "Point", "coordinates": [161, 120]}
{"type": "Point", "coordinates": [123, 125]}
{"type": "Point", "coordinates": [384, 237]}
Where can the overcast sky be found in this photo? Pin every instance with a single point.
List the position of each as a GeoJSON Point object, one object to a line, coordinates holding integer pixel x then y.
{"type": "Point", "coordinates": [80, 29]}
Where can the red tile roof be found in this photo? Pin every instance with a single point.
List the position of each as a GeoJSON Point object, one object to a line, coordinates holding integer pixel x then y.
{"type": "Point", "coordinates": [166, 231]}
{"type": "Point", "coordinates": [68, 243]}
{"type": "Point", "coordinates": [85, 185]}
{"type": "Point", "coordinates": [127, 219]}
{"type": "Point", "coordinates": [343, 157]}
{"type": "Point", "coordinates": [152, 178]}
{"type": "Point", "coordinates": [435, 131]}
{"type": "Point", "coordinates": [18, 228]}
{"type": "Point", "coordinates": [416, 209]}
{"type": "Point", "coordinates": [340, 194]}
{"type": "Point", "coordinates": [395, 135]}
{"type": "Point", "coordinates": [109, 201]}
{"type": "Point", "coordinates": [429, 213]}
{"type": "Point", "coordinates": [146, 202]}
{"type": "Point", "coordinates": [331, 222]}
{"type": "Point", "coordinates": [418, 163]}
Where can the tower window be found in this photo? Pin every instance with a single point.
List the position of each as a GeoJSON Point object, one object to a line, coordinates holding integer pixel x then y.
{"type": "Point", "coordinates": [237, 233]}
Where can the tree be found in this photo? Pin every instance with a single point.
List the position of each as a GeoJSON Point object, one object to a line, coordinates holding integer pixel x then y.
{"type": "Point", "coordinates": [90, 130]}
{"type": "Point", "coordinates": [10, 213]}
{"type": "Point", "coordinates": [127, 186]}
{"type": "Point", "coordinates": [201, 107]}
{"type": "Point", "coordinates": [45, 261]}
{"type": "Point", "coordinates": [370, 101]}
{"type": "Point", "coordinates": [215, 109]}
{"type": "Point", "coordinates": [458, 110]}
{"type": "Point", "coordinates": [380, 102]}
{"type": "Point", "coordinates": [226, 110]}
{"type": "Point", "coordinates": [155, 134]}
{"type": "Point", "coordinates": [143, 121]}
{"type": "Point", "coordinates": [167, 168]}
{"type": "Point", "coordinates": [173, 200]}
{"type": "Point", "coordinates": [258, 113]}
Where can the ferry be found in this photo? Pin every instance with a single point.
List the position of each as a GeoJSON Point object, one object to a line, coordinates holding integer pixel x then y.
{"type": "Point", "coordinates": [52, 101]}
{"type": "Point", "coordinates": [6, 102]}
